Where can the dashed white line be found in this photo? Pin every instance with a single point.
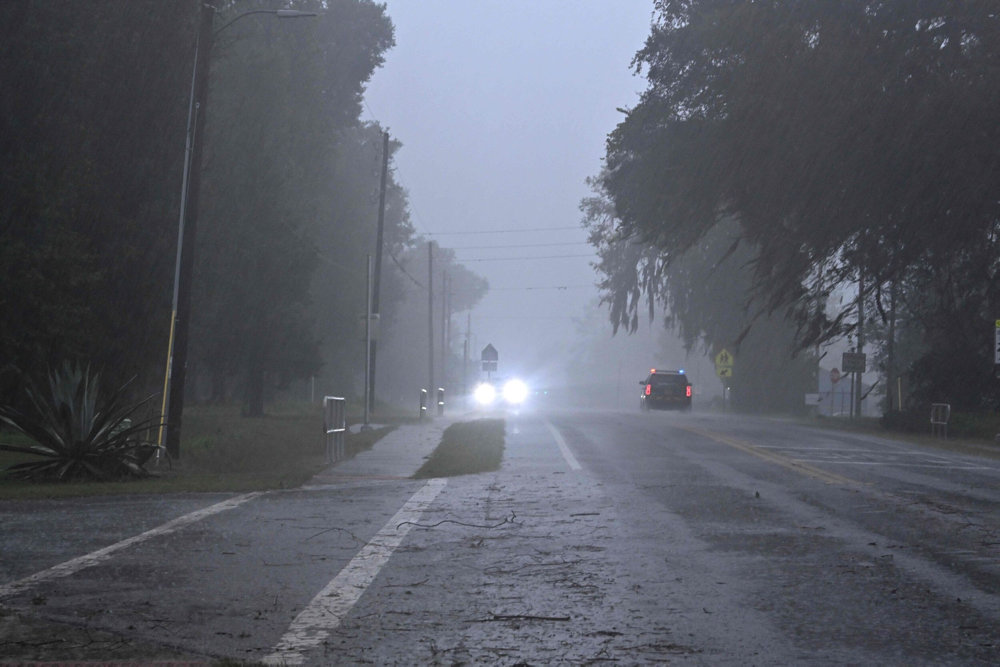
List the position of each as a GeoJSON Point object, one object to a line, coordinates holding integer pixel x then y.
{"type": "Point", "coordinates": [568, 455]}
{"type": "Point", "coordinates": [95, 557]}
{"type": "Point", "coordinates": [326, 611]}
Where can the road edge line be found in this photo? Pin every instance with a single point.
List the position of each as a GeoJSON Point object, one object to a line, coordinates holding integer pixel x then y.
{"type": "Point", "coordinates": [328, 608]}
{"type": "Point", "coordinates": [563, 447]}
{"type": "Point", "coordinates": [95, 557]}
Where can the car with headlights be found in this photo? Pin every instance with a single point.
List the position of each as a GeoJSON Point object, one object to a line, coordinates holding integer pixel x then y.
{"type": "Point", "coordinates": [666, 390]}
{"type": "Point", "coordinates": [511, 392]}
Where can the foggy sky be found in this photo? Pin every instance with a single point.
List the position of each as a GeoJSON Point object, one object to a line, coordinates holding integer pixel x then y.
{"type": "Point", "coordinates": [503, 109]}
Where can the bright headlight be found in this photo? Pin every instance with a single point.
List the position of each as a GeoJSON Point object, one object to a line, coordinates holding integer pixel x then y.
{"type": "Point", "coordinates": [515, 392]}
{"type": "Point", "coordinates": [484, 394]}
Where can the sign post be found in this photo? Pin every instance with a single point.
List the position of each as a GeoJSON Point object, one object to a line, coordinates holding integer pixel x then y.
{"type": "Point", "coordinates": [855, 363]}
{"type": "Point", "coordinates": [490, 359]}
{"type": "Point", "coordinates": [724, 369]}
{"type": "Point", "coordinates": [996, 349]}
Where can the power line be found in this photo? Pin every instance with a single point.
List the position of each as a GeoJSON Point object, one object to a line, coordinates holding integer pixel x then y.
{"type": "Point", "coordinates": [517, 245]}
{"type": "Point", "coordinates": [506, 259]}
{"type": "Point", "coordinates": [545, 287]}
{"type": "Point", "coordinates": [504, 231]}
{"type": "Point", "coordinates": [527, 317]}
{"type": "Point", "coordinates": [405, 272]}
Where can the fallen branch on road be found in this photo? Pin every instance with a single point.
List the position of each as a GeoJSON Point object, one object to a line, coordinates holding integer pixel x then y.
{"type": "Point", "coordinates": [517, 617]}
{"type": "Point", "coordinates": [509, 519]}
{"type": "Point", "coordinates": [328, 530]}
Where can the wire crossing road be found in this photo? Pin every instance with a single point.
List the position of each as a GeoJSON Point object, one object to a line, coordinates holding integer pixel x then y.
{"type": "Point", "coordinates": [605, 536]}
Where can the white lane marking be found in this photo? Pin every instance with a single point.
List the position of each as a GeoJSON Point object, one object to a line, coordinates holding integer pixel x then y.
{"type": "Point", "coordinates": [326, 611]}
{"type": "Point", "coordinates": [563, 447]}
{"type": "Point", "coordinates": [95, 557]}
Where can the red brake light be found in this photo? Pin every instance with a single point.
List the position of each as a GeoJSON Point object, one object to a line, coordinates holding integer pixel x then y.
{"type": "Point", "coordinates": [649, 389]}
{"type": "Point", "coordinates": [688, 392]}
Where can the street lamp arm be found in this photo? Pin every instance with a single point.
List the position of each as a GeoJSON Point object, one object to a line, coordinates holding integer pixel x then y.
{"type": "Point", "coordinates": [279, 13]}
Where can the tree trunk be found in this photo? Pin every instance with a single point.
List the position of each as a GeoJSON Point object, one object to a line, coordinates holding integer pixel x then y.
{"type": "Point", "coordinates": [255, 388]}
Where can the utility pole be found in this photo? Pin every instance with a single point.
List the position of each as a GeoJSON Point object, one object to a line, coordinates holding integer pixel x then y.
{"type": "Point", "coordinates": [465, 356]}
{"type": "Point", "coordinates": [177, 347]}
{"type": "Point", "coordinates": [445, 317]}
{"type": "Point", "coordinates": [858, 379]}
{"type": "Point", "coordinates": [430, 317]}
{"type": "Point", "coordinates": [890, 374]}
{"type": "Point", "coordinates": [368, 340]}
{"type": "Point", "coordinates": [174, 398]}
{"type": "Point", "coordinates": [377, 281]}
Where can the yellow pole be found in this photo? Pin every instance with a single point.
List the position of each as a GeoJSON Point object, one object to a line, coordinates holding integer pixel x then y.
{"type": "Point", "coordinates": [166, 379]}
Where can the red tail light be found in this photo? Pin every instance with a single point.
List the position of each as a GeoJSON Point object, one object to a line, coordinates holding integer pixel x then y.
{"type": "Point", "coordinates": [649, 389]}
{"type": "Point", "coordinates": [688, 393]}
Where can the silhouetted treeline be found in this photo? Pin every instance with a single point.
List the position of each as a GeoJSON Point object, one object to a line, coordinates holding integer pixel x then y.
{"type": "Point", "coordinates": [848, 141]}
{"type": "Point", "coordinates": [92, 120]}
{"type": "Point", "coordinates": [92, 134]}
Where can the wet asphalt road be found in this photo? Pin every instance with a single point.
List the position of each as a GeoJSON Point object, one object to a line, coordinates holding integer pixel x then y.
{"type": "Point", "coordinates": [606, 537]}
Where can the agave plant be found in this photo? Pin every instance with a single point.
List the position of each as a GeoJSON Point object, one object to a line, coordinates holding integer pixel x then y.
{"type": "Point", "coordinates": [76, 434]}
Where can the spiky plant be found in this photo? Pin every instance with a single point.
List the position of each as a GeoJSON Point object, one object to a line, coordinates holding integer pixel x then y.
{"type": "Point", "coordinates": [78, 434]}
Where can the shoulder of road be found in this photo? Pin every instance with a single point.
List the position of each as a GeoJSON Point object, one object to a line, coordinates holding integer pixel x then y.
{"type": "Point", "coordinates": [397, 455]}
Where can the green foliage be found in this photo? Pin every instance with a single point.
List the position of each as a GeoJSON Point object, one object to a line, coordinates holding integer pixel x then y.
{"type": "Point", "coordinates": [839, 134]}
{"type": "Point", "coordinates": [283, 198]}
{"type": "Point", "coordinates": [466, 448]}
{"type": "Point", "coordinates": [843, 138]}
{"type": "Point", "coordinates": [76, 433]}
{"type": "Point", "coordinates": [92, 124]}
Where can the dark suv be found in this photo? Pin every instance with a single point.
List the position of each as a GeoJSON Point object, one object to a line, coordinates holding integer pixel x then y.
{"type": "Point", "coordinates": [665, 390]}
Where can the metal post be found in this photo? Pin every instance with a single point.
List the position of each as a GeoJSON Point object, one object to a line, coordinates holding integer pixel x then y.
{"type": "Point", "coordinates": [440, 401]}
{"type": "Point", "coordinates": [335, 427]}
{"type": "Point", "coordinates": [368, 340]}
{"type": "Point", "coordinates": [423, 403]}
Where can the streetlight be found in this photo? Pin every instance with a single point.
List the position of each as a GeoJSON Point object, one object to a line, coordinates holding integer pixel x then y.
{"type": "Point", "coordinates": [173, 381]}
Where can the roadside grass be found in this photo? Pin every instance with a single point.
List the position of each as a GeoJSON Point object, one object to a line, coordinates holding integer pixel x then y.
{"type": "Point", "coordinates": [220, 451]}
{"type": "Point", "coordinates": [466, 448]}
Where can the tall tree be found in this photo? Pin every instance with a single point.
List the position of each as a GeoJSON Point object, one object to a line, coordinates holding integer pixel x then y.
{"type": "Point", "coordinates": [844, 136]}
{"type": "Point", "coordinates": [704, 293]}
{"type": "Point", "coordinates": [283, 98]}
{"type": "Point", "coordinates": [837, 133]}
{"type": "Point", "coordinates": [91, 136]}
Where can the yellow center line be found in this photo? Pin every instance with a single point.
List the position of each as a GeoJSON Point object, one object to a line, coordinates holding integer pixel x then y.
{"type": "Point", "coordinates": [771, 457]}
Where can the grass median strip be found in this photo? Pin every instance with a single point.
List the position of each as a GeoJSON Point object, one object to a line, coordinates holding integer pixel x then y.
{"type": "Point", "coordinates": [466, 448]}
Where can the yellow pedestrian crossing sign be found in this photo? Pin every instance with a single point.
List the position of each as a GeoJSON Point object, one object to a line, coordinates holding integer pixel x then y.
{"type": "Point", "coordinates": [724, 364]}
